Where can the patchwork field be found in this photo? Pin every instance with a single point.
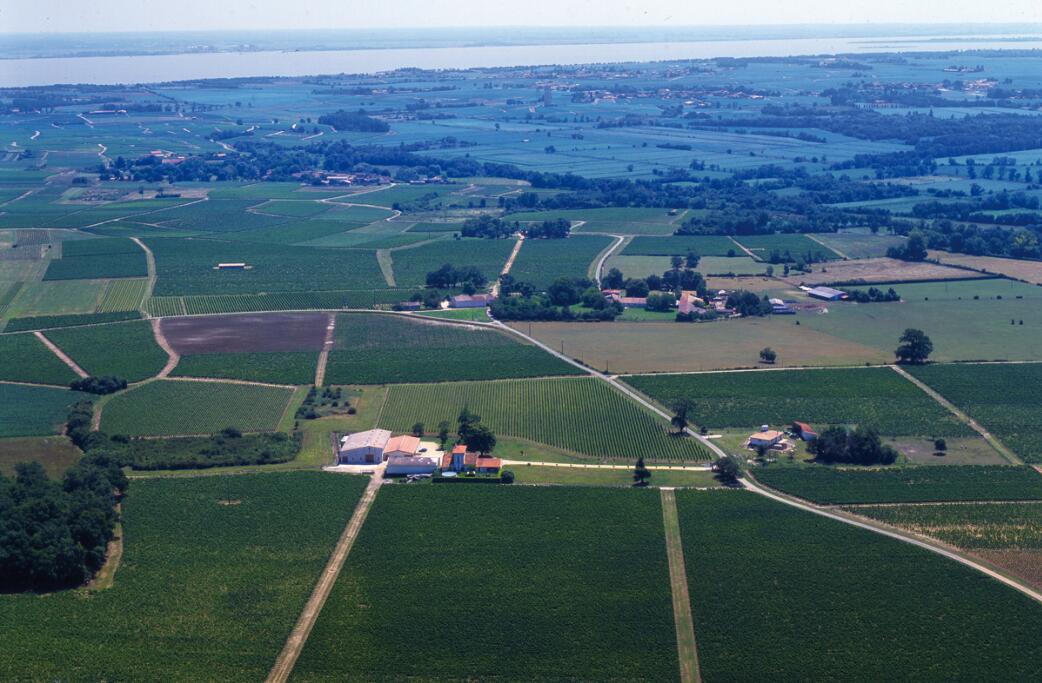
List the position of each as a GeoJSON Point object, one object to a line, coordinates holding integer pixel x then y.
{"type": "Point", "coordinates": [290, 367]}
{"type": "Point", "coordinates": [1008, 535]}
{"type": "Point", "coordinates": [859, 245]}
{"type": "Point", "coordinates": [557, 412]}
{"type": "Point", "coordinates": [1028, 271]}
{"type": "Point", "coordinates": [35, 411]}
{"type": "Point", "coordinates": [723, 345]}
{"type": "Point", "coordinates": [488, 256]}
{"type": "Point", "coordinates": [680, 245]}
{"type": "Point", "coordinates": [843, 603]}
{"type": "Point", "coordinates": [214, 573]}
{"type": "Point", "coordinates": [609, 583]}
{"type": "Point", "coordinates": [169, 408]}
{"type": "Point", "coordinates": [874, 397]}
{"type": "Point", "coordinates": [788, 247]}
{"type": "Point", "coordinates": [126, 350]}
{"type": "Point", "coordinates": [381, 348]}
{"type": "Point", "coordinates": [540, 262]}
{"type": "Point", "coordinates": [961, 327]}
{"type": "Point", "coordinates": [831, 486]}
{"type": "Point", "coordinates": [878, 270]}
{"type": "Point", "coordinates": [1005, 399]}
{"type": "Point", "coordinates": [621, 221]}
{"type": "Point", "coordinates": [24, 358]}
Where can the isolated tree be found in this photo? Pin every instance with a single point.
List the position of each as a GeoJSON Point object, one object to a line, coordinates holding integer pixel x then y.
{"type": "Point", "coordinates": [443, 432]}
{"type": "Point", "coordinates": [915, 347]}
{"type": "Point", "coordinates": [641, 474]}
{"type": "Point", "coordinates": [481, 439]}
{"type": "Point", "coordinates": [466, 422]}
{"type": "Point", "coordinates": [940, 445]}
{"type": "Point", "coordinates": [691, 260]}
{"type": "Point", "coordinates": [506, 477]}
{"type": "Point", "coordinates": [681, 409]}
{"type": "Point", "coordinates": [727, 469]}
{"type": "Point", "coordinates": [417, 429]}
{"type": "Point", "coordinates": [768, 355]}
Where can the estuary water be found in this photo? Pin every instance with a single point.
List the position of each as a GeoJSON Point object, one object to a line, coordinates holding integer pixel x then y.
{"type": "Point", "coordinates": [190, 66]}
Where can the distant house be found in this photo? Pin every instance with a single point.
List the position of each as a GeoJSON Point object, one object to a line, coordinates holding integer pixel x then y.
{"type": "Point", "coordinates": [231, 266]}
{"type": "Point", "coordinates": [471, 300]}
{"type": "Point", "coordinates": [363, 448]}
{"type": "Point", "coordinates": [401, 446]}
{"type": "Point", "coordinates": [633, 301]}
{"type": "Point", "coordinates": [805, 431]}
{"type": "Point", "coordinates": [825, 293]}
{"type": "Point", "coordinates": [489, 465]}
{"type": "Point", "coordinates": [765, 439]}
{"type": "Point", "coordinates": [410, 305]}
{"type": "Point", "coordinates": [402, 465]}
{"type": "Point", "coordinates": [690, 303]}
{"type": "Point", "coordinates": [779, 307]}
{"type": "Point", "coordinates": [459, 460]}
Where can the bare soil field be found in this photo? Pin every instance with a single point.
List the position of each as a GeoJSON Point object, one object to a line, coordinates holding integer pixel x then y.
{"type": "Point", "coordinates": [884, 269]}
{"type": "Point", "coordinates": [1028, 271]}
{"type": "Point", "coordinates": [622, 347]}
{"type": "Point", "coordinates": [1025, 564]}
{"type": "Point", "coordinates": [263, 332]}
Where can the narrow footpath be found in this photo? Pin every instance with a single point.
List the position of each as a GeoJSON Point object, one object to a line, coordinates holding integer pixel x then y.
{"type": "Point", "coordinates": [327, 346]}
{"type": "Point", "coordinates": [299, 635]}
{"type": "Point", "coordinates": [687, 649]}
{"type": "Point", "coordinates": [62, 356]}
{"type": "Point", "coordinates": [954, 410]}
{"type": "Point", "coordinates": [173, 358]}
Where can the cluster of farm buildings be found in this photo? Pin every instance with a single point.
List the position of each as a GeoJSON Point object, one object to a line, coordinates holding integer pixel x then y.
{"type": "Point", "coordinates": [778, 440]}
{"type": "Point", "coordinates": [407, 455]}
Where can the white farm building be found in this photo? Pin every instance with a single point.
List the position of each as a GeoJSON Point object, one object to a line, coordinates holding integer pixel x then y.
{"type": "Point", "coordinates": [363, 448]}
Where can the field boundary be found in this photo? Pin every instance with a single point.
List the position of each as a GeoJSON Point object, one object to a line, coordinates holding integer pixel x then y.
{"type": "Point", "coordinates": [992, 440]}
{"type": "Point", "coordinates": [150, 264]}
{"type": "Point", "coordinates": [106, 576]}
{"type": "Point", "coordinates": [323, 356]}
{"type": "Point", "coordinates": [687, 648]}
{"type": "Point", "coordinates": [62, 356]}
{"type": "Point", "coordinates": [597, 267]}
{"type": "Point", "coordinates": [309, 615]}
{"type": "Point", "coordinates": [835, 251]}
{"type": "Point", "coordinates": [750, 484]}
{"type": "Point", "coordinates": [173, 357]}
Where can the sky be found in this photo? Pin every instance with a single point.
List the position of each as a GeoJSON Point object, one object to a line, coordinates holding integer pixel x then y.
{"type": "Point", "coordinates": [67, 16]}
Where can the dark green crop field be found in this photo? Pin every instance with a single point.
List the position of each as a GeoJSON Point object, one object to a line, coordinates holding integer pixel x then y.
{"type": "Point", "coordinates": [276, 368]}
{"type": "Point", "coordinates": [1006, 399]}
{"type": "Point", "coordinates": [906, 484]}
{"type": "Point", "coordinates": [782, 594]}
{"type": "Point", "coordinates": [510, 584]}
{"type": "Point", "coordinates": [789, 247]}
{"type": "Point", "coordinates": [171, 408]}
{"type": "Point", "coordinates": [540, 262]}
{"type": "Point", "coordinates": [35, 411]}
{"type": "Point", "coordinates": [876, 397]}
{"type": "Point", "coordinates": [24, 358]}
{"type": "Point", "coordinates": [97, 266]}
{"type": "Point", "coordinates": [488, 256]}
{"type": "Point", "coordinates": [579, 414]}
{"type": "Point", "coordinates": [127, 350]}
{"type": "Point", "coordinates": [43, 322]}
{"type": "Point", "coordinates": [214, 573]}
{"type": "Point", "coordinates": [190, 267]}
{"type": "Point", "coordinates": [378, 349]}
{"type": "Point", "coordinates": [680, 245]}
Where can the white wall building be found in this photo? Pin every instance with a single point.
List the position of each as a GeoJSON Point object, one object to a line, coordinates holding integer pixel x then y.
{"type": "Point", "coordinates": [363, 448]}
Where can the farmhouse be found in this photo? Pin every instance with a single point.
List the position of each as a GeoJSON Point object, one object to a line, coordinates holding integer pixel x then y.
{"type": "Point", "coordinates": [471, 300]}
{"type": "Point", "coordinates": [399, 465]}
{"type": "Point", "coordinates": [626, 301]}
{"type": "Point", "coordinates": [779, 307]}
{"type": "Point", "coordinates": [804, 430]}
{"type": "Point", "coordinates": [690, 303]}
{"type": "Point", "coordinates": [765, 439]}
{"type": "Point", "coordinates": [462, 460]}
{"type": "Point", "coordinates": [402, 446]}
{"type": "Point", "coordinates": [231, 266]}
{"type": "Point", "coordinates": [363, 448]}
{"type": "Point", "coordinates": [825, 293]}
